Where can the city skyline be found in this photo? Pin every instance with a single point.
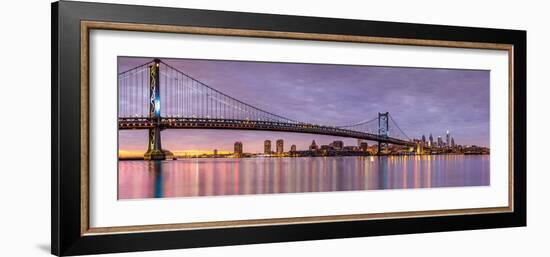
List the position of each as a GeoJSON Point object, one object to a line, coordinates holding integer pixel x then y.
{"type": "Point", "coordinates": [424, 100]}
{"type": "Point", "coordinates": [228, 145]}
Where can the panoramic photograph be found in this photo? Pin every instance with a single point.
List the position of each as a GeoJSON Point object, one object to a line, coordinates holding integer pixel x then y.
{"type": "Point", "coordinates": [195, 128]}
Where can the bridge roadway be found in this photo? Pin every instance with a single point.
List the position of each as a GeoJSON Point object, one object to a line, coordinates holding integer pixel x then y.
{"type": "Point", "coordinates": [125, 123]}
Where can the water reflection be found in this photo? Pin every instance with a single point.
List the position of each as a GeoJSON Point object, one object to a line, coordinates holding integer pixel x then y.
{"type": "Point", "coordinates": [211, 177]}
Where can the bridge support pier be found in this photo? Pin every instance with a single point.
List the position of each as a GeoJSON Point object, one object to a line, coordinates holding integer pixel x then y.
{"type": "Point", "coordinates": [382, 147]}
{"type": "Point", "coordinates": [154, 150]}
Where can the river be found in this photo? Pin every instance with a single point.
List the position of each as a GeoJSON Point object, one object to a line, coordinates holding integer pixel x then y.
{"type": "Point", "coordinates": [245, 176]}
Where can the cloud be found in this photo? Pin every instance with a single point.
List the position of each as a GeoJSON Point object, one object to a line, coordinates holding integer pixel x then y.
{"type": "Point", "coordinates": [421, 100]}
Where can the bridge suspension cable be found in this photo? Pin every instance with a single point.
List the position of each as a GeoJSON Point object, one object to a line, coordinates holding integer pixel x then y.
{"type": "Point", "coordinates": [358, 123]}
{"type": "Point", "coordinates": [185, 97]}
{"type": "Point", "coordinates": [139, 67]}
{"type": "Point", "coordinates": [181, 88]}
{"type": "Point", "coordinates": [394, 124]}
{"type": "Point", "coordinates": [133, 89]}
{"type": "Point", "coordinates": [367, 126]}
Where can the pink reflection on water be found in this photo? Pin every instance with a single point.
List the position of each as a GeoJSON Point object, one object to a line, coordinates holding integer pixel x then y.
{"type": "Point", "coordinates": [214, 177]}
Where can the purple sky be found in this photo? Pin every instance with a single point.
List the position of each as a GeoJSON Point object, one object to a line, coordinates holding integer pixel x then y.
{"type": "Point", "coordinates": [420, 100]}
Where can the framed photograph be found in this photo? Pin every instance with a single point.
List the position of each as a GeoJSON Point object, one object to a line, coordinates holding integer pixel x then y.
{"type": "Point", "coordinates": [178, 128]}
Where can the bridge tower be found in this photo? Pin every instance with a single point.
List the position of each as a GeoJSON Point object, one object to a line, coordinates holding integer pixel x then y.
{"type": "Point", "coordinates": [383, 130]}
{"type": "Point", "coordinates": [154, 150]}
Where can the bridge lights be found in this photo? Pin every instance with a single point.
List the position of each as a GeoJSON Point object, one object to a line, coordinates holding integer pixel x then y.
{"type": "Point", "coordinates": [157, 108]}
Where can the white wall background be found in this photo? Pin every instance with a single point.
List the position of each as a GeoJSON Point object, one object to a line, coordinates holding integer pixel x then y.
{"type": "Point", "coordinates": [25, 152]}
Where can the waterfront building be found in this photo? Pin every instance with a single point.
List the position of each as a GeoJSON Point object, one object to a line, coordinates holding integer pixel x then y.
{"type": "Point", "coordinates": [364, 146]}
{"type": "Point", "coordinates": [439, 141]}
{"type": "Point", "coordinates": [431, 142]}
{"type": "Point", "coordinates": [350, 148]}
{"type": "Point", "coordinates": [293, 148]}
{"type": "Point", "coordinates": [326, 147]}
{"type": "Point", "coordinates": [337, 145]}
{"type": "Point", "coordinates": [280, 146]}
{"type": "Point", "coordinates": [419, 149]}
{"type": "Point", "coordinates": [215, 152]}
{"type": "Point", "coordinates": [238, 149]}
{"type": "Point", "coordinates": [452, 142]}
{"type": "Point", "coordinates": [267, 147]}
{"type": "Point", "coordinates": [448, 138]}
{"type": "Point", "coordinates": [313, 146]}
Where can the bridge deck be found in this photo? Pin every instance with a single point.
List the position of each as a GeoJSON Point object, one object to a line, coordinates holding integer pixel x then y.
{"type": "Point", "coordinates": [125, 123]}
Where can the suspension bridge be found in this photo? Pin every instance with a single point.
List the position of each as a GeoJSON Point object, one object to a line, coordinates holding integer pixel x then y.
{"type": "Point", "coordinates": [187, 103]}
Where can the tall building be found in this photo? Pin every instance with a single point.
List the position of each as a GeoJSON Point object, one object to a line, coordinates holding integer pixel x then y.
{"type": "Point", "coordinates": [215, 152]}
{"type": "Point", "coordinates": [313, 146]}
{"type": "Point", "coordinates": [452, 142]}
{"type": "Point", "coordinates": [448, 138]}
{"type": "Point", "coordinates": [431, 142]}
{"type": "Point", "coordinates": [280, 147]}
{"type": "Point", "coordinates": [267, 147]}
{"type": "Point", "coordinates": [439, 141]}
{"type": "Point", "coordinates": [238, 149]}
{"type": "Point", "coordinates": [293, 148]}
{"type": "Point", "coordinates": [424, 143]}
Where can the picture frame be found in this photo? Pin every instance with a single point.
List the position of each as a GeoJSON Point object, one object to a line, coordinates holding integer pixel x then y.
{"type": "Point", "coordinates": [71, 26]}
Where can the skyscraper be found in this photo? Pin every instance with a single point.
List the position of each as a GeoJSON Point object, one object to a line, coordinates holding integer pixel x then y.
{"type": "Point", "coordinates": [267, 147]}
{"type": "Point", "coordinates": [431, 142]}
{"type": "Point", "coordinates": [439, 141]}
{"type": "Point", "coordinates": [448, 138]}
{"type": "Point", "coordinates": [238, 149]}
{"type": "Point", "coordinates": [423, 139]}
{"type": "Point", "coordinates": [452, 142]}
{"type": "Point", "coordinates": [280, 147]}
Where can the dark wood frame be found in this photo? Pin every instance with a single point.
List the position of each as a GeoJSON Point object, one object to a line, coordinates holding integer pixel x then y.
{"type": "Point", "coordinates": [71, 22]}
